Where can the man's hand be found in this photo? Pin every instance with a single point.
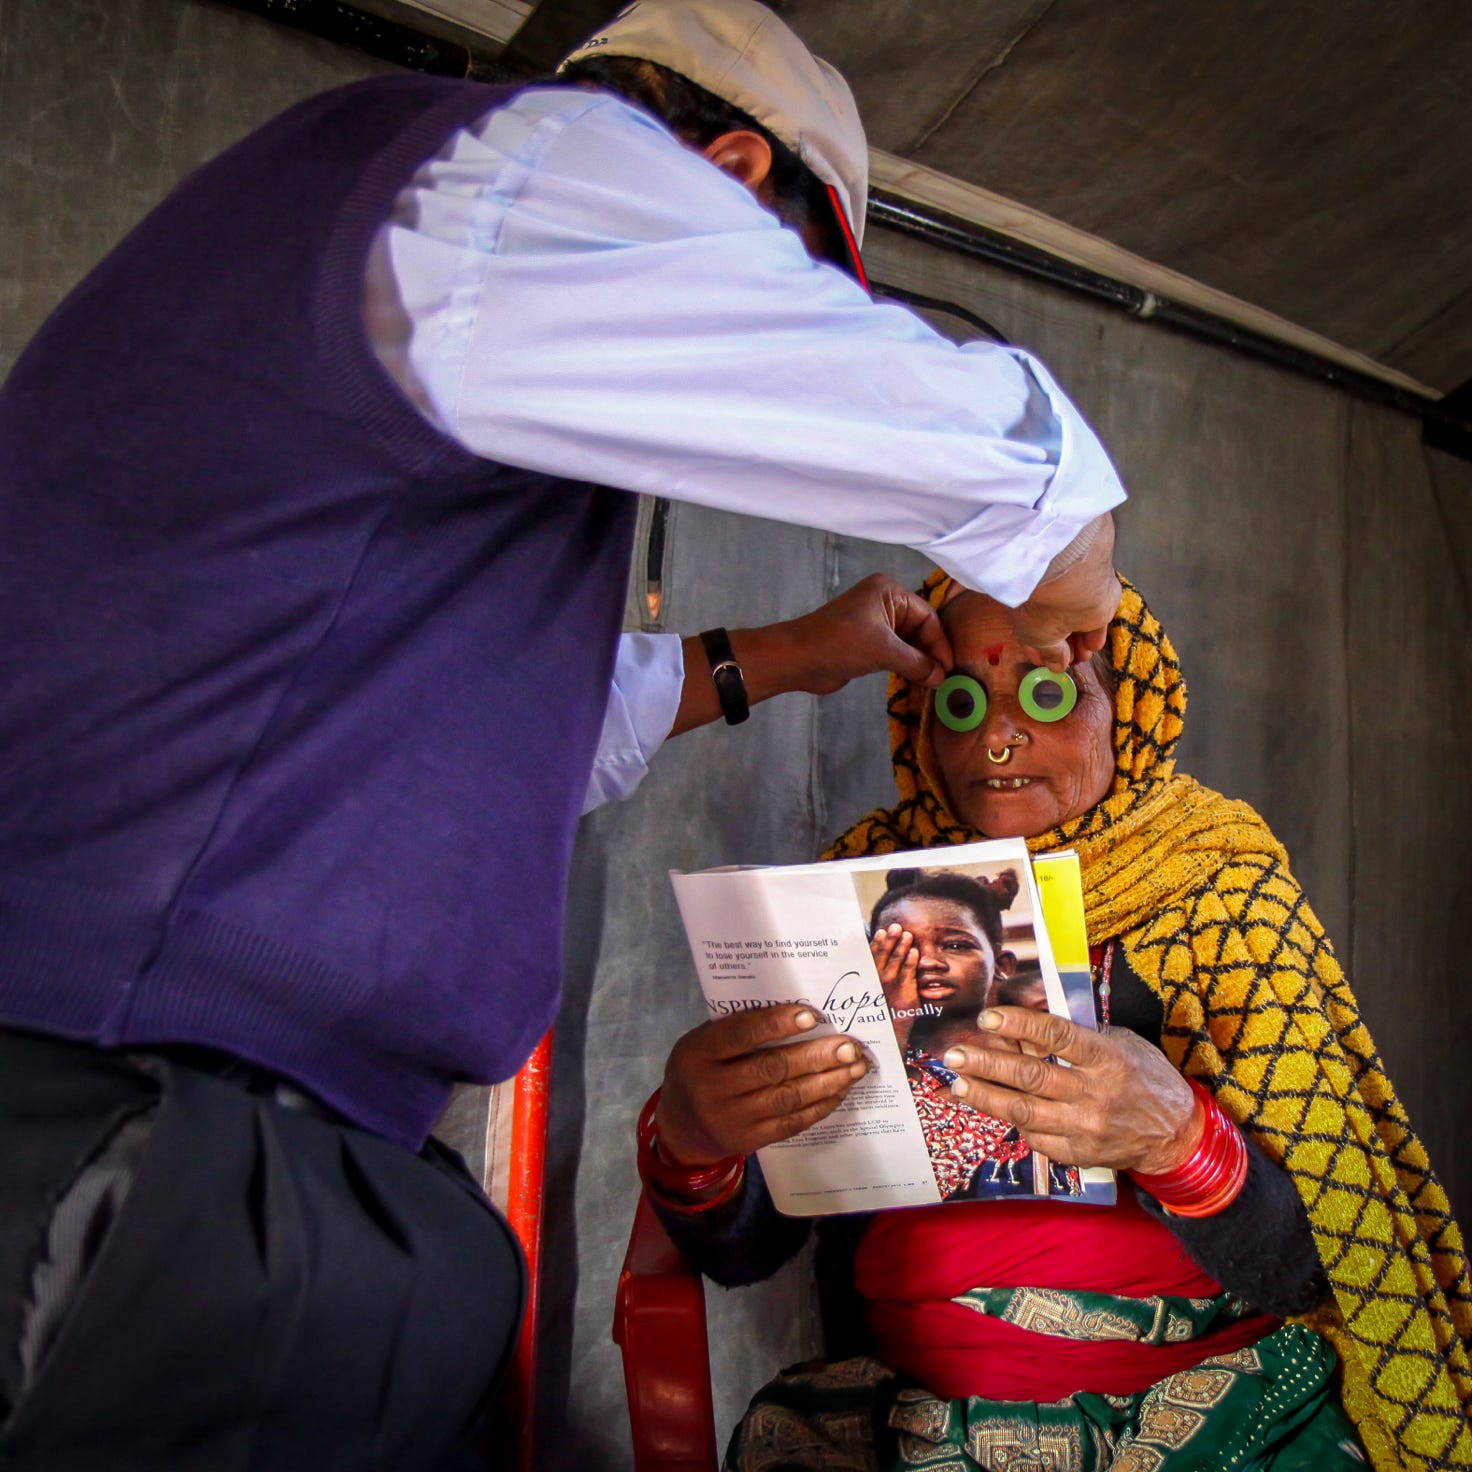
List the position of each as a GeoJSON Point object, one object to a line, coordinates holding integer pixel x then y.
{"type": "Point", "coordinates": [725, 1094]}
{"type": "Point", "coordinates": [1067, 617]}
{"type": "Point", "coordinates": [876, 625]}
{"type": "Point", "coordinates": [1121, 1104]}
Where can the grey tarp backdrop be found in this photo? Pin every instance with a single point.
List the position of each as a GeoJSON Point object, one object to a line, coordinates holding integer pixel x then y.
{"type": "Point", "coordinates": [1308, 555]}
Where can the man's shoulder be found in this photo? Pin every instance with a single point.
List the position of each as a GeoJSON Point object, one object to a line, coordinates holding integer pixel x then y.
{"type": "Point", "coordinates": [578, 103]}
{"type": "Point", "coordinates": [587, 148]}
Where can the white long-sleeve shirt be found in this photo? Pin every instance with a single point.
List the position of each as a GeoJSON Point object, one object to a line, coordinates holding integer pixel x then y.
{"type": "Point", "coordinates": [568, 288]}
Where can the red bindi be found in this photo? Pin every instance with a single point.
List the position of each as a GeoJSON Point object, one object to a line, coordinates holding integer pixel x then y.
{"type": "Point", "coordinates": [994, 654]}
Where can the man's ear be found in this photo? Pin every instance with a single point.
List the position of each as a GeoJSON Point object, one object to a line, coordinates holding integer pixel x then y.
{"type": "Point", "coordinates": [1006, 963]}
{"type": "Point", "coordinates": [745, 155]}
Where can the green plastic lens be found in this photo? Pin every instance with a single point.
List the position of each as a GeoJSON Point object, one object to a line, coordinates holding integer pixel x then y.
{"type": "Point", "coordinates": [1046, 695]}
{"type": "Point", "coordinates": [960, 703]}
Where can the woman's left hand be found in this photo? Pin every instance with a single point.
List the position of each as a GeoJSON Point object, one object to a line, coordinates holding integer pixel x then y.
{"type": "Point", "coordinates": [1121, 1104]}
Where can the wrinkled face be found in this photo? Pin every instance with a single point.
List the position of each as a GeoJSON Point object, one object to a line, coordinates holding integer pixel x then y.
{"type": "Point", "coordinates": [1058, 770]}
{"type": "Point", "coordinates": [956, 963]}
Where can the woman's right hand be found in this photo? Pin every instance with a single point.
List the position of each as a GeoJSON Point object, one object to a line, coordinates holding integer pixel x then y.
{"type": "Point", "coordinates": [1120, 1103]}
{"type": "Point", "coordinates": [725, 1094]}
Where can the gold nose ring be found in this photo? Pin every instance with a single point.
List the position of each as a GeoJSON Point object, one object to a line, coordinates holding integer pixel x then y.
{"type": "Point", "coordinates": [1001, 758]}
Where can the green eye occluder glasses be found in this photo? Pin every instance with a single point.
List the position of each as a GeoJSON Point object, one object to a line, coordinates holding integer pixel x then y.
{"type": "Point", "coordinates": [1045, 695]}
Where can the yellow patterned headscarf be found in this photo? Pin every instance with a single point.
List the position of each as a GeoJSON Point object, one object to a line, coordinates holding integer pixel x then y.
{"type": "Point", "coordinates": [1196, 889]}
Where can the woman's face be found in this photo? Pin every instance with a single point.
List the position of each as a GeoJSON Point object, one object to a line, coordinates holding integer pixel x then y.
{"type": "Point", "coordinates": [1058, 770]}
{"type": "Point", "coordinates": [956, 962]}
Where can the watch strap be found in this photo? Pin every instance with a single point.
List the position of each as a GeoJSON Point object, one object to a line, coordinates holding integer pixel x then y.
{"type": "Point", "coordinates": [730, 683]}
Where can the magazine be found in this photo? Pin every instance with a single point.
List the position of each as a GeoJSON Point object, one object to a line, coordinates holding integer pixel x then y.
{"type": "Point", "coordinates": [801, 933]}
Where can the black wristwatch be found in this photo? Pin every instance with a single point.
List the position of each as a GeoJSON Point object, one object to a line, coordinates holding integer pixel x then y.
{"type": "Point", "coordinates": [729, 681]}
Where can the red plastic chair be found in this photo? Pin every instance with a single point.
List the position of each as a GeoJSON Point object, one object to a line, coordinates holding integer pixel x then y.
{"type": "Point", "coordinates": [659, 1323]}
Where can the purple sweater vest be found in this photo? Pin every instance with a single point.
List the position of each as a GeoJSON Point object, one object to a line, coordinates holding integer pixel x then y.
{"type": "Point", "coordinates": [298, 698]}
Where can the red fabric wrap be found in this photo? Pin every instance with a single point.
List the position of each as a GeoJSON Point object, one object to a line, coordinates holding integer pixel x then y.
{"type": "Point", "coordinates": [910, 1264]}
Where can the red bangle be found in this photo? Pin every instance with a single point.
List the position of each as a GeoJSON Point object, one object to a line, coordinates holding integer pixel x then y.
{"type": "Point", "coordinates": [1211, 1178]}
{"type": "Point", "coordinates": [681, 1187]}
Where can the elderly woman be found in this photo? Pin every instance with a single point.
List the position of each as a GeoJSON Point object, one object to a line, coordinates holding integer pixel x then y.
{"type": "Point", "coordinates": [1267, 1171]}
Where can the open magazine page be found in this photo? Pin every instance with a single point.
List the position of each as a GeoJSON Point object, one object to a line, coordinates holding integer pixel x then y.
{"type": "Point", "coordinates": [802, 934]}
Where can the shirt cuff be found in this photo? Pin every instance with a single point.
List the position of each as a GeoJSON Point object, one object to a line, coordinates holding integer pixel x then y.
{"type": "Point", "coordinates": [1005, 550]}
{"type": "Point", "coordinates": [648, 675]}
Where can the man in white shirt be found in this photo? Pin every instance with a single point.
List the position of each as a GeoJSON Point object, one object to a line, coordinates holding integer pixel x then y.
{"type": "Point", "coordinates": [562, 288]}
{"type": "Point", "coordinates": [567, 287]}
{"type": "Point", "coordinates": [293, 748]}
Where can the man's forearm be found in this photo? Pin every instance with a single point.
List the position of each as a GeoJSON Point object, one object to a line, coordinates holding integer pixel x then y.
{"type": "Point", "coordinates": [772, 663]}
{"type": "Point", "coordinates": [1067, 615]}
{"type": "Point", "coordinates": [875, 625]}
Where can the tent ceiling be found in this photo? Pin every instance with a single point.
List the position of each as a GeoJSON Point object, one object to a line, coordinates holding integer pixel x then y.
{"type": "Point", "coordinates": [1313, 157]}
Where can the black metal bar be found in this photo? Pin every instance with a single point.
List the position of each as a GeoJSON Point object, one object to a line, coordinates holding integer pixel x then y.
{"type": "Point", "coordinates": [885, 290]}
{"type": "Point", "coordinates": [659, 515]}
{"type": "Point", "coordinates": [1000, 250]}
{"type": "Point", "coordinates": [387, 40]}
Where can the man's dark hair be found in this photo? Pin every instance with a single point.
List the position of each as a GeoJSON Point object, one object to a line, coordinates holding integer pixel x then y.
{"type": "Point", "coordinates": [698, 117]}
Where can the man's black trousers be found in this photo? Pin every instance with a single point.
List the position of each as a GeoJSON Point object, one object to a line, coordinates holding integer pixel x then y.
{"type": "Point", "coordinates": [194, 1275]}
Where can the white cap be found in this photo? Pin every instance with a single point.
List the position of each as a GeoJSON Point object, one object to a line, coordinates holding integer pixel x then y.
{"type": "Point", "coordinates": [740, 51]}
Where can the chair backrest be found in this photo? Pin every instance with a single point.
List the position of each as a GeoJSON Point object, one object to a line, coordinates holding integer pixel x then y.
{"type": "Point", "coordinates": [659, 1318]}
{"type": "Point", "coordinates": [659, 1324]}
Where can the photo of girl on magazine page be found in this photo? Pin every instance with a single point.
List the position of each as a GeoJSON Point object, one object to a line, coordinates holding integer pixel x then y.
{"type": "Point", "coordinates": [941, 945]}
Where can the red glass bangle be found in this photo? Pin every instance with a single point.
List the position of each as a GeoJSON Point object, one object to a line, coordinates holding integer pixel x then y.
{"type": "Point", "coordinates": [681, 1187]}
{"type": "Point", "coordinates": [1211, 1178]}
